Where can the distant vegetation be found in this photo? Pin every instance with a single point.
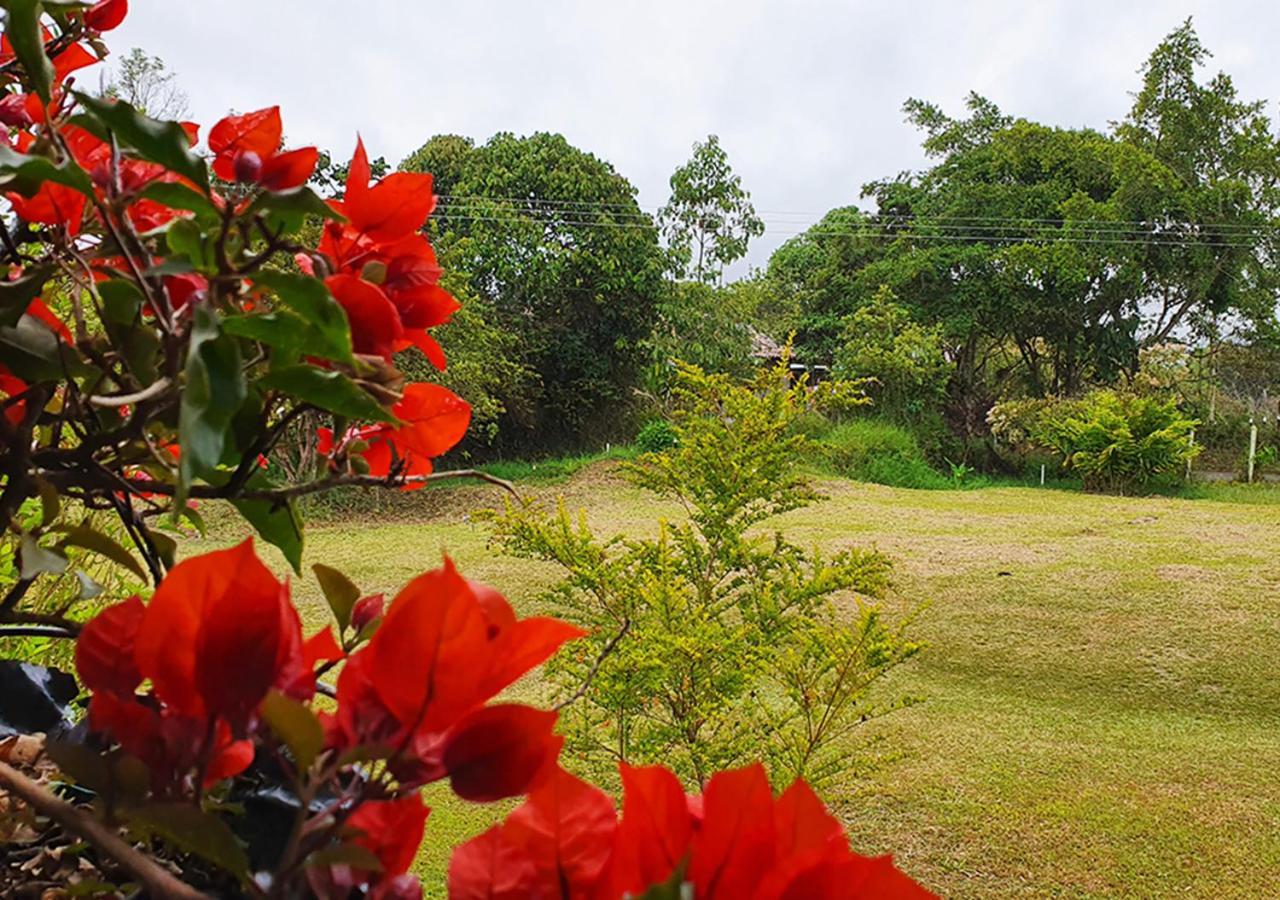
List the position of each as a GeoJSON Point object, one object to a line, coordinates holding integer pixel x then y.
{"type": "Point", "coordinates": [1027, 262]}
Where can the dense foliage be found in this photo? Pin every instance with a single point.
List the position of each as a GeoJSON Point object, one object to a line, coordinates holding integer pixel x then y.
{"type": "Point", "coordinates": [1115, 441]}
{"type": "Point", "coordinates": [1046, 259]}
{"type": "Point", "coordinates": [553, 243]}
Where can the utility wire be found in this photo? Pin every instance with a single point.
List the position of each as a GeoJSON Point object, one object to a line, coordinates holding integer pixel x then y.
{"type": "Point", "coordinates": [1016, 227]}
{"type": "Point", "coordinates": [975, 233]}
{"type": "Point", "coordinates": [637, 211]}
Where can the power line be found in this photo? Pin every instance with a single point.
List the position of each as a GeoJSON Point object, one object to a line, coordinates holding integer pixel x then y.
{"type": "Point", "coordinates": [973, 234]}
{"type": "Point", "coordinates": [637, 211]}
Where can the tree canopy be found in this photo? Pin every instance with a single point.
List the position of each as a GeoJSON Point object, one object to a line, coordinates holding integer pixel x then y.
{"type": "Point", "coordinates": [553, 241]}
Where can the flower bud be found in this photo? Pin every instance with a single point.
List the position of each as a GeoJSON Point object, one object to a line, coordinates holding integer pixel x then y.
{"type": "Point", "coordinates": [248, 165]}
{"type": "Point", "coordinates": [13, 111]}
{"type": "Point", "coordinates": [366, 610]}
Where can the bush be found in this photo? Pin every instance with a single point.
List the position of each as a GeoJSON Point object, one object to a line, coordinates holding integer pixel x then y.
{"type": "Point", "coordinates": [1117, 443]}
{"type": "Point", "coordinates": [880, 452]}
{"type": "Point", "coordinates": [883, 342]}
{"type": "Point", "coordinates": [713, 643]}
{"type": "Point", "coordinates": [656, 435]}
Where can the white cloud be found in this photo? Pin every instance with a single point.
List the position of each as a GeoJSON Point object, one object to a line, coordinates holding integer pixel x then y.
{"type": "Point", "coordinates": [806, 95]}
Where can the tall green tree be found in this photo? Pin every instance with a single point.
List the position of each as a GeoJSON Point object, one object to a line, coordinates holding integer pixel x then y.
{"type": "Point", "coordinates": [815, 279]}
{"type": "Point", "coordinates": [552, 240]}
{"type": "Point", "coordinates": [1224, 155]}
{"type": "Point", "coordinates": [709, 221]}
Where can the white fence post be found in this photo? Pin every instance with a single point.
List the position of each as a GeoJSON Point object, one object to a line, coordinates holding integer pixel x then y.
{"type": "Point", "coordinates": [1253, 446]}
{"type": "Point", "coordinates": [1193, 446]}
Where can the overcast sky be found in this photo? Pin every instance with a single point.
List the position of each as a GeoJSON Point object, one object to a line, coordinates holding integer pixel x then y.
{"type": "Point", "coordinates": [805, 95]}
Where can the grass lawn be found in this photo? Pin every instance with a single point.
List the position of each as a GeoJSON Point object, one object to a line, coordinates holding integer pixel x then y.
{"type": "Point", "coordinates": [1101, 712]}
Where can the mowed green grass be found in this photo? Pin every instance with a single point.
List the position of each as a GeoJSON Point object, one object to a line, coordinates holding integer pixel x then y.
{"type": "Point", "coordinates": [1101, 713]}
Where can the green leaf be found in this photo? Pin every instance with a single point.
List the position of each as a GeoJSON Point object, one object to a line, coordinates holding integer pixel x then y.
{"type": "Point", "coordinates": [310, 299]}
{"type": "Point", "coordinates": [121, 301]}
{"type": "Point", "coordinates": [166, 546]}
{"type": "Point", "coordinates": [286, 332]}
{"type": "Point", "coordinates": [296, 725]}
{"type": "Point", "coordinates": [165, 143]}
{"type": "Point", "coordinates": [22, 28]}
{"type": "Point", "coordinates": [286, 211]}
{"type": "Point", "coordinates": [83, 765]}
{"type": "Point", "coordinates": [179, 196]}
{"type": "Point", "coordinates": [214, 390]}
{"type": "Point", "coordinates": [671, 889]}
{"type": "Point", "coordinates": [346, 854]}
{"type": "Point", "coordinates": [50, 502]}
{"type": "Point", "coordinates": [96, 542]}
{"type": "Point", "coordinates": [191, 829]}
{"type": "Point", "coordinates": [277, 523]}
{"type": "Point", "coordinates": [33, 352]}
{"type": "Point", "coordinates": [327, 389]}
{"type": "Point", "coordinates": [172, 266]}
{"type": "Point", "coordinates": [136, 340]}
{"type": "Point", "coordinates": [88, 587]}
{"type": "Point", "coordinates": [185, 238]}
{"type": "Point", "coordinates": [26, 174]}
{"type": "Point", "coordinates": [16, 296]}
{"type": "Point", "coordinates": [339, 591]}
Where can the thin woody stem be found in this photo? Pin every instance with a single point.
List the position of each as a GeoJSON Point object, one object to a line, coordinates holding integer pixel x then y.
{"type": "Point", "coordinates": [157, 881]}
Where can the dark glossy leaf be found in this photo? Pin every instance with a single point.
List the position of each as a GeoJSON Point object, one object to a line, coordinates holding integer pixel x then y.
{"type": "Point", "coordinates": [165, 143]}
{"type": "Point", "coordinates": [310, 299]}
{"type": "Point", "coordinates": [339, 591]}
{"type": "Point", "coordinates": [95, 541]}
{"type": "Point", "coordinates": [136, 340]}
{"type": "Point", "coordinates": [26, 174]}
{"type": "Point", "coordinates": [295, 725]}
{"type": "Point", "coordinates": [193, 830]}
{"type": "Point", "coordinates": [327, 389]}
{"type": "Point", "coordinates": [121, 301]}
{"type": "Point", "coordinates": [84, 765]}
{"type": "Point", "coordinates": [16, 296]}
{"type": "Point", "coordinates": [34, 698]}
{"type": "Point", "coordinates": [215, 389]}
{"type": "Point", "coordinates": [33, 352]}
{"type": "Point", "coordinates": [287, 210]}
{"type": "Point", "coordinates": [22, 28]}
{"type": "Point", "coordinates": [179, 196]}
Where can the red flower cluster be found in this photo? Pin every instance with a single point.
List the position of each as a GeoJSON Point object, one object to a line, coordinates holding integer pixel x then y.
{"type": "Point", "coordinates": [385, 272]}
{"type": "Point", "coordinates": [246, 148]}
{"type": "Point", "coordinates": [419, 689]}
{"type": "Point", "coordinates": [434, 419]}
{"type": "Point", "coordinates": [735, 841]}
{"type": "Point", "coordinates": [217, 635]}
